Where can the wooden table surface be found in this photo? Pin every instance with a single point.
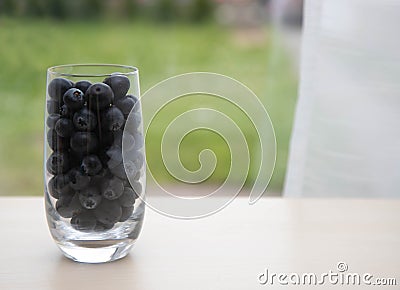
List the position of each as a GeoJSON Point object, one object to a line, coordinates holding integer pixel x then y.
{"type": "Point", "coordinates": [228, 250]}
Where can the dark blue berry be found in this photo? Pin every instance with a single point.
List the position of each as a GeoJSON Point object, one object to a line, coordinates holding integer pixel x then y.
{"type": "Point", "coordinates": [52, 190]}
{"type": "Point", "coordinates": [57, 163]}
{"type": "Point", "coordinates": [91, 165]}
{"type": "Point", "coordinates": [83, 85]}
{"type": "Point", "coordinates": [85, 120]}
{"type": "Point", "coordinates": [59, 184]}
{"type": "Point", "coordinates": [52, 120]}
{"type": "Point", "coordinates": [84, 221]}
{"type": "Point", "coordinates": [139, 141]}
{"type": "Point", "coordinates": [123, 172]}
{"type": "Point", "coordinates": [69, 205]}
{"type": "Point", "coordinates": [65, 111]}
{"type": "Point", "coordinates": [64, 127]}
{"type": "Point", "coordinates": [126, 213]}
{"type": "Point", "coordinates": [108, 212]}
{"type": "Point", "coordinates": [138, 159]}
{"type": "Point", "coordinates": [78, 181]}
{"type": "Point", "coordinates": [57, 88]}
{"type": "Point", "coordinates": [125, 105]}
{"type": "Point", "coordinates": [56, 142]}
{"type": "Point", "coordinates": [117, 141]}
{"type": "Point", "coordinates": [128, 141]}
{"type": "Point", "coordinates": [115, 156]}
{"type": "Point", "coordinates": [99, 96]}
{"type": "Point", "coordinates": [74, 99]}
{"type": "Point", "coordinates": [108, 137]}
{"type": "Point", "coordinates": [90, 198]}
{"type": "Point", "coordinates": [100, 227]}
{"type": "Point", "coordinates": [119, 84]}
{"type": "Point", "coordinates": [113, 119]}
{"type": "Point", "coordinates": [84, 142]}
{"type": "Point", "coordinates": [99, 178]}
{"type": "Point", "coordinates": [133, 122]}
{"type": "Point", "coordinates": [136, 101]}
{"type": "Point", "coordinates": [112, 188]}
{"type": "Point", "coordinates": [128, 197]}
{"type": "Point", "coordinates": [137, 187]}
{"type": "Point", "coordinates": [53, 106]}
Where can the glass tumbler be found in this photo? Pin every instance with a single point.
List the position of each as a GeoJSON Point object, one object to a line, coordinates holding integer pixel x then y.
{"type": "Point", "coordinates": [94, 161]}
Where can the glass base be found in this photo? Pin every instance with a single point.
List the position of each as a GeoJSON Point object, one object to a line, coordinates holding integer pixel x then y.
{"type": "Point", "coordinates": [94, 253]}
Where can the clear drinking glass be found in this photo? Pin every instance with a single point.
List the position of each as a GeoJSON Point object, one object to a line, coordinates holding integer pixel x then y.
{"type": "Point", "coordinates": [93, 145]}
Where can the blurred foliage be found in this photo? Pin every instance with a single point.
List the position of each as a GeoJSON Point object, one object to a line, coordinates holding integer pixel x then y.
{"type": "Point", "coordinates": [161, 10]}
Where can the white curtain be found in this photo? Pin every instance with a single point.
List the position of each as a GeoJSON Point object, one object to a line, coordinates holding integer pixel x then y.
{"type": "Point", "coordinates": [346, 136]}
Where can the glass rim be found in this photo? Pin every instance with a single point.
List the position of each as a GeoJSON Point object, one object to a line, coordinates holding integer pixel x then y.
{"type": "Point", "coordinates": [131, 70]}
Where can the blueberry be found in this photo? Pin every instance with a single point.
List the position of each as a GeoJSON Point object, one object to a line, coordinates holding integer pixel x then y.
{"type": "Point", "coordinates": [119, 171]}
{"type": "Point", "coordinates": [137, 176]}
{"type": "Point", "coordinates": [103, 227]}
{"type": "Point", "coordinates": [137, 187]}
{"type": "Point", "coordinates": [119, 84]}
{"type": "Point", "coordinates": [131, 169]}
{"type": "Point", "coordinates": [125, 105]}
{"type": "Point", "coordinates": [100, 177]}
{"type": "Point", "coordinates": [84, 142]}
{"type": "Point", "coordinates": [74, 99]}
{"type": "Point", "coordinates": [53, 106]}
{"type": "Point", "coordinates": [64, 127]}
{"type": "Point", "coordinates": [108, 137]}
{"type": "Point", "coordinates": [65, 111]}
{"type": "Point", "coordinates": [115, 155]}
{"type": "Point", "coordinates": [57, 163]}
{"type": "Point", "coordinates": [83, 85]}
{"type": "Point", "coordinates": [91, 165]}
{"type": "Point", "coordinates": [52, 190]}
{"type": "Point", "coordinates": [132, 124]}
{"type": "Point", "coordinates": [112, 188]}
{"type": "Point", "coordinates": [99, 96]}
{"type": "Point", "coordinates": [58, 185]}
{"type": "Point", "coordinates": [128, 141]}
{"type": "Point", "coordinates": [128, 197]}
{"type": "Point", "coordinates": [90, 198]}
{"type": "Point", "coordinates": [126, 213]}
{"type": "Point", "coordinates": [69, 205]}
{"type": "Point", "coordinates": [123, 172]}
{"type": "Point", "coordinates": [136, 157]}
{"type": "Point", "coordinates": [117, 138]}
{"type": "Point", "coordinates": [78, 181]}
{"type": "Point", "coordinates": [139, 141]}
{"type": "Point", "coordinates": [56, 142]}
{"type": "Point", "coordinates": [139, 213]}
{"type": "Point", "coordinates": [85, 120]}
{"type": "Point", "coordinates": [103, 158]}
{"type": "Point", "coordinates": [135, 99]}
{"type": "Point", "coordinates": [52, 120]}
{"type": "Point", "coordinates": [84, 221]}
{"type": "Point", "coordinates": [113, 119]}
{"type": "Point", "coordinates": [108, 212]}
{"type": "Point", "coordinates": [58, 87]}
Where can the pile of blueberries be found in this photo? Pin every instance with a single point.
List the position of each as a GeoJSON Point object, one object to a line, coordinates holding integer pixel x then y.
{"type": "Point", "coordinates": [86, 122]}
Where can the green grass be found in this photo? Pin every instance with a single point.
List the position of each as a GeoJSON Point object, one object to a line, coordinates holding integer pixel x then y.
{"type": "Point", "coordinates": [29, 47]}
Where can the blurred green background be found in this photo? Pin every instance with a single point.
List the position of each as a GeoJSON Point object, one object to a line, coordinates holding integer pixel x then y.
{"type": "Point", "coordinates": [162, 38]}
